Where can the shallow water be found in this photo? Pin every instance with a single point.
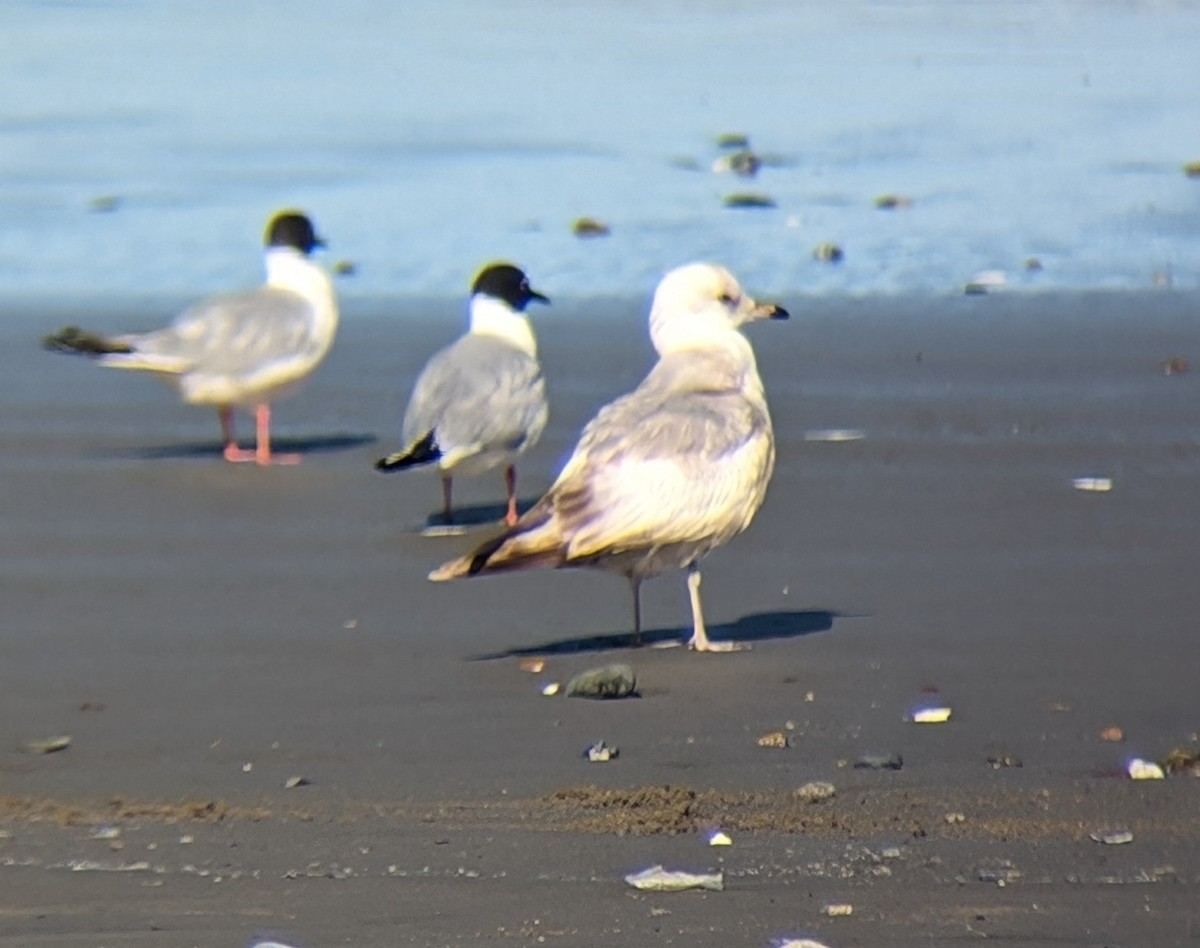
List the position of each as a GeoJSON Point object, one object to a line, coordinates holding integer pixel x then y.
{"type": "Point", "coordinates": [428, 138]}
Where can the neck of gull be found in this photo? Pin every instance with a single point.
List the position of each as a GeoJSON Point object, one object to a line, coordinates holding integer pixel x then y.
{"type": "Point", "coordinates": [289, 269]}
{"type": "Point", "coordinates": [493, 317]}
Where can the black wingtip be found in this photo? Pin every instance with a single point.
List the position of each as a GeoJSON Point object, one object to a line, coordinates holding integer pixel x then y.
{"type": "Point", "coordinates": [424, 451]}
{"type": "Point", "coordinates": [74, 340]}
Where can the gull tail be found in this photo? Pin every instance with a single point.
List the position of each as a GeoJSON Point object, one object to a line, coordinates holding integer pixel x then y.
{"type": "Point", "coordinates": [424, 451]}
{"type": "Point", "coordinates": [76, 341]}
{"type": "Point", "coordinates": [535, 542]}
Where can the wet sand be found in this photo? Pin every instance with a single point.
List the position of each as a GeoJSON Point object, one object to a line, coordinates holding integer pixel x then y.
{"type": "Point", "coordinates": [203, 632]}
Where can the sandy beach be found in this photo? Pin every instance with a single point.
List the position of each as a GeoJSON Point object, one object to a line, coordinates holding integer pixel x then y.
{"type": "Point", "coordinates": [203, 632]}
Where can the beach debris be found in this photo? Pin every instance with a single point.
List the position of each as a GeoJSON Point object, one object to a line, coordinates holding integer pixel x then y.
{"type": "Point", "coordinates": [931, 715]}
{"type": "Point", "coordinates": [1001, 761]}
{"type": "Point", "coordinates": [532, 665]}
{"type": "Point", "coordinates": [1139, 769]}
{"type": "Point", "coordinates": [892, 202]}
{"type": "Point", "coordinates": [601, 752]}
{"type": "Point", "coordinates": [610, 681]}
{"type": "Point", "coordinates": [658, 879]}
{"type": "Point", "coordinates": [104, 203]}
{"type": "Point", "coordinates": [956, 817]}
{"type": "Point", "coordinates": [748, 199]}
{"type": "Point", "coordinates": [777, 739]}
{"type": "Point", "coordinates": [1113, 734]}
{"type": "Point", "coordinates": [879, 762]}
{"type": "Point", "coordinates": [1114, 838]}
{"type": "Point", "coordinates": [1174, 366]}
{"type": "Point", "coordinates": [733, 140]}
{"type": "Point", "coordinates": [719, 838]}
{"type": "Point", "coordinates": [49, 745]}
{"type": "Point", "coordinates": [816, 791]}
{"type": "Point", "coordinates": [296, 781]}
{"type": "Point", "coordinates": [106, 832]}
{"type": "Point", "coordinates": [1182, 760]}
{"type": "Point", "coordinates": [742, 162]}
{"type": "Point", "coordinates": [828, 253]}
{"type": "Point", "coordinates": [838, 909]}
{"type": "Point", "coordinates": [586, 227]}
{"type": "Point", "coordinates": [550, 689]}
{"type": "Point", "coordinates": [344, 268]}
{"type": "Point", "coordinates": [834, 435]}
{"type": "Point", "coordinates": [1192, 169]}
{"type": "Point", "coordinates": [986, 281]}
{"type": "Point", "coordinates": [998, 872]}
{"type": "Point", "coordinates": [1098, 485]}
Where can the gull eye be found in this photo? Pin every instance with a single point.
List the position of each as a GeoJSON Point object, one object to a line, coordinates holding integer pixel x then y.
{"type": "Point", "coordinates": [727, 298]}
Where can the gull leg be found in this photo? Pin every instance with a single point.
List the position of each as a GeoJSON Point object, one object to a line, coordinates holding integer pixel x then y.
{"type": "Point", "coordinates": [510, 482]}
{"type": "Point", "coordinates": [447, 506]}
{"type": "Point", "coordinates": [232, 452]}
{"type": "Point", "coordinates": [700, 640]}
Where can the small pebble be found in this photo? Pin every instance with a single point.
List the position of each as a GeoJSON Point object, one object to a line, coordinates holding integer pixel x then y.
{"type": "Point", "coordinates": [589, 227]}
{"type": "Point", "coordinates": [828, 253]}
{"type": "Point", "coordinates": [838, 910]}
{"type": "Point", "coordinates": [551, 689]}
{"type": "Point", "coordinates": [892, 202]}
{"type": "Point", "coordinates": [776, 739]}
{"type": "Point", "coordinates": [1113, 734]}
{"type": "Point", "coordinates": [1139, 769]}
{"type": "Point", "coordinates": [879, 762]}
{"type": "Point", "coordinates": [610, 681]}
{"type": "Point", "coordinates": [749, 199]}
{"type": "Point", "coordinates": [532, 665]}
{"type": "Point", "coordinates": [816, 791]}
{"type": "Point", "coordinates": [1116, 838]}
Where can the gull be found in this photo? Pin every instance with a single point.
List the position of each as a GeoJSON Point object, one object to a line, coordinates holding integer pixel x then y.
{"type": "Point", "coordinates": [667, 473]}
{"type": "Point", "coordinates": [242, 349]}
{"type": "Point", "coordinates": [480, 402]}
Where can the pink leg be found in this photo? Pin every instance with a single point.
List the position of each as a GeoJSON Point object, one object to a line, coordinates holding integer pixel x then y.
{"type": "Point", "coordinates": [447, 507]}
{"type": "Point", "coordinates": [510, 481]}
{"type": "Point", "coordinates": [232, 451]}
{"type": "Point", "coordinates": [262, 427]}
{"type": "Point", "coordinates": [262, 452]}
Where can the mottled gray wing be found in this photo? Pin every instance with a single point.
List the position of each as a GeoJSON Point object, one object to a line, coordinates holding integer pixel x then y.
{"type": "Point", "coordinates": [234, 334]}
{"type": "Point", "coordinates": [477, 394]}
{"type": "Point", "coordinates": [666, 464]}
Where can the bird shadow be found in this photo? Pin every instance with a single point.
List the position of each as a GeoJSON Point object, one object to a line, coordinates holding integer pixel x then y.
{"type": "Point", "coordinates": [475, 515]}
{"type": "Point", "coordinates": [321, 444]}
{"type": "Point", "coordinates": [758, 627]}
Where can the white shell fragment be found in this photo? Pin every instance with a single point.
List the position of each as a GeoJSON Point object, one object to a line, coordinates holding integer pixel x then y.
{"type": "Point", "coordinates": [1097, 485]}
{"type": "Point", "coordinates": [551, 689]}
{"type": "Point", "coordinates": [658, 879]}
{"type": "Point", "coordinates": [931, 716]}
{"type": "Point", "coordinates": [719, 838]}
{"type": "Point", "coordinates": [838, 909]}
{"type": "Point", "coordinates": [1140, 769]}
{"type": "Point", "coordinates": [834, 434]}
{"type": "Point", "coordinates": [296, 781]}
{"type": "Point", "coordinates": [1116, 838]}
{"type": "Point", "coordinates": [601, 752]}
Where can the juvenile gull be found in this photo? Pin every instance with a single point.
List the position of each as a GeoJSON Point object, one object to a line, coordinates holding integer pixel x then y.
{"type": "Point", "coordinates": [665, 474]}
{"type": "Point", "coordinates": [481, 401]}
{"type": "Point", "coordinates": [243, 349]}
